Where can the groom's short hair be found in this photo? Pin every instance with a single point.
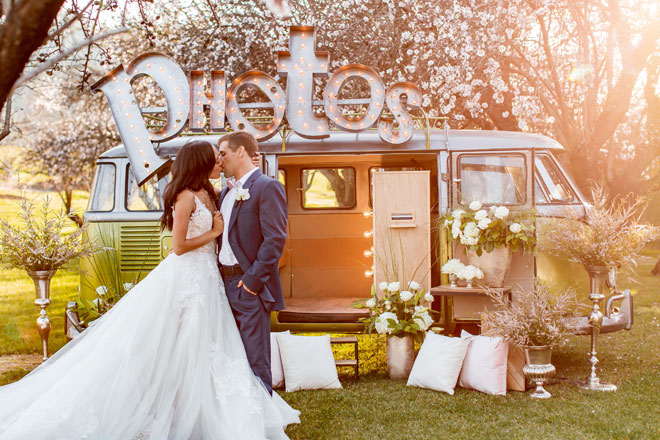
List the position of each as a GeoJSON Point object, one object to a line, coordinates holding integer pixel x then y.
{"type": "Point", "coordinates": [238, 138]}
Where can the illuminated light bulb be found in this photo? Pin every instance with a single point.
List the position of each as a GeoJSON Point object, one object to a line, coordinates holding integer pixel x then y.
{"type": "Point", "coordinates": [367, 214]}
{"type": "Point", "coordinates": [301, 85]}
{"type": "Point", "coordinates": [199, 102]}
{"type": "Point", "coordinates": [336, 83]}
{"type": "Point", "coordinates": [336, 119]}
{"type": "Point", "coordinates": [128, 116]}
{"type": "Point", "coordinates": [176, 89]}
{"type": "Point", "coordinates": [393, 96]}
{"type": "Point", "coordinates": [199, 113]}
{"type": "Point", "coordinates": [332, 95]}
{"type": "Point", "coordinates": [322, 66]}
{"type": "Point", "coordinates": [331, 108]}
{"type": "Point", "coordinates": [126, 80]}
{"type": "Point", "coordinates": [367, 253]}
{"type": "Point", "coordinates": [281, 107]}
{"type": "Point", "coordinates": [361, 125]}
{"type": "Point", "coordinates": [320, 127]}
{"type": "Point", "coordinates": [137, 139]}
{"type": "Point", "coordinates": [395, 109]}
{"type": "Point", "coordinates": [371, 80]}
{"type": "Point", "coordinates": [302, 59]}
{"type": "Point", "coordinates": [233, 109]}
{"type": "Point", "coordinates": [378, 104]}
{"type": "Point", "coordinates": [141, 151]}
{"type": "Point", "coordinates": [170, 78]}
{"type": "Point", "coordinates": [132, 127]}
{"type": "Point", "coordinates": [180, 113]}
{"type": "Point", "coordinates": [303, 35]}
{"type": "Point", "coordinates": [149, 66]}
{"type": "Point", "coordinates": [162, 69]}
{"type": "Point", "coordinates": [282, 66]}
{"type": "Point", "coordinates": [199, 123]}
{"type": "Point", "coordinates": [277, 95]}
{"type": "Point", "coordinates": [373, 117]}
{"type": "Point", "coordinates": [300, 98]}
{"type": "Point", "coordinates": [302, 72]}
{"type": "Point", "coordinates": [199, 93]}
{"type": "Point", "coordinates": [180, 101]}
{"type": "Point", "coordinates": [123, 103]}
{"type": "Point", "coordinates": [368, 273]}
{"type": "Point", "coordinates": [114, 78]}
{"type": "Point", "coordinates": [199, 83]}
{"type": "Point", "coordinates": [377, 91]}
{"type": "Point", "coordinates": [300, 112]}
{"type": "Point", "coordinates": [295, 66]}
{"type": "Point", "coordinates": [176, 126]}
{"type": "Point", "coordinates": [256, 80]}
{"type": "Point", "coordinates": [405, 133]}
{"type": "Point", "coordinates": [305, 125]}
{"type": "Point", "coordinates": [302, 45]}
{"type": "Point", "coordinates": [118, 90]}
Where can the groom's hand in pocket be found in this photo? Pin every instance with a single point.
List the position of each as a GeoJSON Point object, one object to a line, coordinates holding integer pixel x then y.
{"type": "Point", "coordinates": [240, 284]}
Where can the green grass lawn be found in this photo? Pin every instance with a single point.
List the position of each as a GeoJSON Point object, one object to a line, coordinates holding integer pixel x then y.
{"type": "Point", "coordinates": [377, 408]}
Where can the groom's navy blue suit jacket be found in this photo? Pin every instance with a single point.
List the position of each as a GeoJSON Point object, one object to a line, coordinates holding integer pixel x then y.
{"type": "Point", "coordinates": [257, 234]}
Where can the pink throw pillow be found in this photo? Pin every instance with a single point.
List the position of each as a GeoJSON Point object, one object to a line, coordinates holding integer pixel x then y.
{"type": "Point", "coordinates": [484, 367]}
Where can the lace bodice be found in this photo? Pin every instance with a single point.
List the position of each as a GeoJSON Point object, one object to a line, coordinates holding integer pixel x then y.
{"type": "Point", "coordinates": [201, 221]}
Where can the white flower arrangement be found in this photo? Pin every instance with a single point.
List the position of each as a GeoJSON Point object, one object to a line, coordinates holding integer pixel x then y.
{"type": "Point", "coordinates": [452, 267]}
{"type": "Point", "coordinates": [481, 228]}
{"type": "Point", "coordinates": [470, 272]}
{"type": "Point", "coordinates": [242, 194]}
{"type": "Point", "coordinates": [398, 312]}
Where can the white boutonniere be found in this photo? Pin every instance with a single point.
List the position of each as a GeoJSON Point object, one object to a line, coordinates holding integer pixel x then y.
{"type": "Point", "coordinates": [242, 194]}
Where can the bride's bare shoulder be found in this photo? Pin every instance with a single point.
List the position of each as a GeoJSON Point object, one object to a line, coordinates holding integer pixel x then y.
{"type": "Point", "coordinates": [185, 199]}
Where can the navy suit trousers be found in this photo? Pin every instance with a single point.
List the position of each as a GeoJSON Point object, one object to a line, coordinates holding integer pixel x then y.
{"type": "Point", "coordinates": [253, 322]}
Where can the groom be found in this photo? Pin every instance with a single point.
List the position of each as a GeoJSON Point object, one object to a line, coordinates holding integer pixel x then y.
{"type": "Point", "coordinates": [255, 215]}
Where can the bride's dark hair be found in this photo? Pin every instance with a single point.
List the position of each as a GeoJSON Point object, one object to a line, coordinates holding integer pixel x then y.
{"type": "Point", "coordinates": [192, 166]}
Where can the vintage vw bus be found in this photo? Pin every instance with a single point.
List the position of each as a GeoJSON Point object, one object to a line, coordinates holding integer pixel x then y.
{"type": "Point", "coordinates": [328, 260]}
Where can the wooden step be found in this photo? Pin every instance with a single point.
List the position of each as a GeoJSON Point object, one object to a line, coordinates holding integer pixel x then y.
{"type": "Point", "coordinates": [346, 363]}
{"type": "Point", "coordinates": [343, 340]}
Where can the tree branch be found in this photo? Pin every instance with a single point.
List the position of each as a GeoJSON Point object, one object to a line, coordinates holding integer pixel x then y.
{"type": "Point", "coordinates": [50, 63]}
{"type": "Point", "coordinates": [5, 128]}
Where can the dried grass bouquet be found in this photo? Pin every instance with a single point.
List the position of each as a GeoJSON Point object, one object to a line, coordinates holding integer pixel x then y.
{"type": "Point", "coordinates": [611, 234]}
{"type": "Point", "coordinates": [39, 241]}
{"type": "Point", "coordinates": [535, 318]}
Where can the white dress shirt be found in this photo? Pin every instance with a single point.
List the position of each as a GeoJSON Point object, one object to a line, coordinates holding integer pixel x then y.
{"type": "Point", "coordinates": [226, 256]}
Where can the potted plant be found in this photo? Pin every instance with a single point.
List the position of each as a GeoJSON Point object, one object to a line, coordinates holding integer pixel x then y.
{"type": "Point", "coordinates": [534, 321]}
{"type": "Point", "coordinates": [608, 239]}
{"type": "Point", "coordinates": [497, 231]}
{"type": "Point", "coordinates": [401, 315]}
{"type": "Point", "coordinates": [39, 245]}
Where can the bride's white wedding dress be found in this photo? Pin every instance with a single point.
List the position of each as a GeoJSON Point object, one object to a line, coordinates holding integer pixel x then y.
{"type": "Point", "coordinates": [166, 362]}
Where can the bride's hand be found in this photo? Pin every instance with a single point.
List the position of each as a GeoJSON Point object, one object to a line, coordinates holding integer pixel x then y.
{"type": "Point", "coordinates": [218, 223]}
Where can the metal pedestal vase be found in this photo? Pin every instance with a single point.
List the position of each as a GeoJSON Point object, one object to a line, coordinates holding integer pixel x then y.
{"type": "Point", "coordinates": [400, 356]}
{"type": "Point", "coordinates": [495, 265]}
{"type": "Point", "coordinates": [538, 368]}
{"type": "Point", "coordinates": [41, 280]}
{"type": "Point", "coordinates": [597, 276]}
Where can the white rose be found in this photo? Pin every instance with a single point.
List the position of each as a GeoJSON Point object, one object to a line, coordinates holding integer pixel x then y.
{"type": "Point", "coordinates": [501, 212]}
{"type": "Point", "coordinates": [428, 297]}
{"type": "Point", "coordinates": [371, 303]}
{"type": "Point", "coordinates": [475, 206]}
{"type": "Point", "coordinates": [515, 228]}
{"type": "Point", "coordinates": [388, 305]}
{"type": "Point", "coordinates": [128, 286]}
{"type": "Point", "coordinates": [383, 286]}
{"type": "Point", "coordinates": [457, 213]}
{"type": "Point", "coordinates": [456, 230]}
{"type": "Point", "coordinates": [471, 230]}
{"type": "Point", "coordinates": [393, 287]}
{"type": "Point", "coordinates": [382, 326]}
{"type": "Point", "coordinates": [480, 215]}
{"type": "Point", "coordinates": [483, 224]}
{"type": "Point", "coordinates": [448, 222]}
{"type": "Point", "coordinates": [405, 296]}
{"type": "Point", "coordinates": [101, 290]}
{"type": "Point", "coordinates": [414, 285]}
{"type": "Point", "coordinates": [469, 241]}
{"type": "Point", "coordinates": [423, 319]}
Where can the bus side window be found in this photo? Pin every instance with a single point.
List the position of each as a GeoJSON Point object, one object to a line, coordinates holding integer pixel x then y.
{"type": "Point", "coordinates": [103, 197]}
{"type": "Point", "coordinates": [148, 197]}
{"type": "Point", "coordinates": [492, 179]}
{"type": "Point", "coordinates": [551, 179]}
{"type": "Point", "coordinates": [328, 188]}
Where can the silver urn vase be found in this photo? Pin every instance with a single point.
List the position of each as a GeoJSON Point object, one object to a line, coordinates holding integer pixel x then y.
{"type": "Point", "coordinates": [538, 368]}
{"type": "Point", "coordinates": [597, 277]}
{"type": "Point", "coordinates": [41, 280]}
{"type": "Point", "coordinates": [400, 356]}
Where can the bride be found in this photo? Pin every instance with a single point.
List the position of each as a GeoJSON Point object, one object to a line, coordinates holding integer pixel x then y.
{"type": "Point", "coordinates": [167, 361]}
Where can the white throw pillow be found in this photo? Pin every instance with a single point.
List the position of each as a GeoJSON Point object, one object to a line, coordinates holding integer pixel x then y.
{"type": "Point", "coordinates": [484, 368]}
{"type": "Point", "coordinates": [438, 363]}
{"type": "Point", "coordinates": [276, 368]}
{"type": "Point", "coordinates": [308, 362]}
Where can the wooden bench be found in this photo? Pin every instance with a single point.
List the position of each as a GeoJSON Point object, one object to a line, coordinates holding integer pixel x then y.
{"type": "Point", "coordinates": [354, 363]}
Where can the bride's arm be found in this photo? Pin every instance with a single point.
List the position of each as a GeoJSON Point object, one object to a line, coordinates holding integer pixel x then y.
{"type": "Point", "coordinates": [183, 209]}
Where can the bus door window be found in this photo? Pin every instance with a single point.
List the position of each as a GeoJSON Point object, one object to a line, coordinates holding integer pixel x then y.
{"type": "Point", "coordinates": [148, 197]}
{"type": "Point", "coordinates": [557, 190]}
{"type": "Point", "coordinates": [492, 179]}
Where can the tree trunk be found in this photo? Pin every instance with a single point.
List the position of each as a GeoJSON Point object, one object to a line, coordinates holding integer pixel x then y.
{"type": "Point", "coordinates": [656, 269]}
{"type": "Point", "coordinates": [67, 199]}
{"type": "Point", "coordinates": [25, 29]}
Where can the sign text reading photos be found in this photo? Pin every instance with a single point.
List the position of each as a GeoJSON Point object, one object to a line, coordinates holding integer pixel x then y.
{"type": "Point", "coordinates": [186, 98]}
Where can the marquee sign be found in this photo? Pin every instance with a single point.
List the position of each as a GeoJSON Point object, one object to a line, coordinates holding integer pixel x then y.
{"type": "Point", "coordinates": [187, 96]}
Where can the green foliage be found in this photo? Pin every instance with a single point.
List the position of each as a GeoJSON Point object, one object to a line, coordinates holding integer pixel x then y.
{"type": "Point", "coordinates": [39, 242]}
